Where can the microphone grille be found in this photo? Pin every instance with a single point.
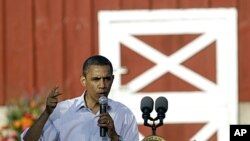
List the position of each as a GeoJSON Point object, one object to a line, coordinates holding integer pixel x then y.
{"type": "Point", "coordinates": [147, 104]}
{"type": "Point", "coordinates": [161, 103]}
{"type": "Point", "coordinates": [103, 100]}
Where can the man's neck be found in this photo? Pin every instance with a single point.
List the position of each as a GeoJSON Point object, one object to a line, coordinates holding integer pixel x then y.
{"type": "Point", "coordinates": [91, 104]}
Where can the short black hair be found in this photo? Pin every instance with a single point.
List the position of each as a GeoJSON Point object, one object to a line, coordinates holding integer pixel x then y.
{"type": "Point", "coordinates": [96, 60]}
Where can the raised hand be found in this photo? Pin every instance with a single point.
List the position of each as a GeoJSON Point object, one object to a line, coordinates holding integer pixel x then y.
{"type": "Point", "coordinates": [35, 131]}
{"type": "Point", "coordinates": [52, 100]}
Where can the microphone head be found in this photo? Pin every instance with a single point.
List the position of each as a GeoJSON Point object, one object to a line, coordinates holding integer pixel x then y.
{"type": "Point", "coordinates": [147, 104]}
{"type": "Point", "coordinates": [103, 100]}
{"type": "Point", "coordinates": [161, 105]}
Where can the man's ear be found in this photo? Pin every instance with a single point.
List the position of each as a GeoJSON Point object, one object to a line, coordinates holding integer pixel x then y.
{"type": "Point", "coordinates": [83, 81]}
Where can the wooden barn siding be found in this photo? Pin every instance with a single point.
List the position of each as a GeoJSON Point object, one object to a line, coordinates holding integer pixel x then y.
{"type": "Point", "coordinates": [43, 43]}
{"type": "Point", "coordinates": [2, 60]}
{"type": "Point", "coordinates": [244, 49]}
{"type": "Point", "coordinates": [18, 48]}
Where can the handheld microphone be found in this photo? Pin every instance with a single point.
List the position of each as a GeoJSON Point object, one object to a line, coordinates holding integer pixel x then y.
{"type": "Point", "coordinates": [146, 108]}
{"type": "Point", "coordinates": [161, 107]}
{"type": "Point", "coordinates": [103, 101]}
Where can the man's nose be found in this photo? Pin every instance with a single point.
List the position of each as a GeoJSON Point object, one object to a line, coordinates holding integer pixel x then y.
{"type": "Point", "coordinates": [102, 83]}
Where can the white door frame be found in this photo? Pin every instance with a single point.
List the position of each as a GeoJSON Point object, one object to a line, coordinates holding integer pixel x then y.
{"type": "Point", "coordinates": [217, 103]}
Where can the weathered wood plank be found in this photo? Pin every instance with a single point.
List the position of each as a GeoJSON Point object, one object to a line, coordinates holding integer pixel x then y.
{"type": "Point", "coordinates": [48, 26]}
{"type": "Point", "coordinates": [19, 63]}
{"type": "Point", "coordinates": [2, 54]}
{"type": "Point", "coordinates": [77, 41]}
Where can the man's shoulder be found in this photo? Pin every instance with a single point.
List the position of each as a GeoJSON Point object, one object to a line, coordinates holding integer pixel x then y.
{"type": "Point", "coordinates": [65, 104]}
{"type": "Point", "coordinates": [63, 107]}
{"type": "Point", "coordinates": [117, 105]}
{"type": "Point", "coordinates": [69, 101]}
{"type": "Point", "coordinates": [121, 111]}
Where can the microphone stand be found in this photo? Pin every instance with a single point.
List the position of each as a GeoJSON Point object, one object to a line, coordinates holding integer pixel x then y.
{"type": "Point", "coordinates": [161, 107]}
{"type": "Point", "coordinates": [154, 126]}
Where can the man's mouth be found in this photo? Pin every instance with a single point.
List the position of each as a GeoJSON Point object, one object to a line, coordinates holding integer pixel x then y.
{"type": "Point", "coordinates": [102, 93]}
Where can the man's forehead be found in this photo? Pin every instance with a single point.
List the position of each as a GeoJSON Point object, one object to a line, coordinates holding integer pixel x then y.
{"type": "Point", "coordinates": [101, 71]}
{"type": "Point", "coordinates": [91, 67]}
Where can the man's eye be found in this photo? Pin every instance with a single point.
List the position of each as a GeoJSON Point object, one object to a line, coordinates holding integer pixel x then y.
{"type": "Point", "coordinates": [96, 79]}
{"type": "Point", "coordinates": [108, 78]}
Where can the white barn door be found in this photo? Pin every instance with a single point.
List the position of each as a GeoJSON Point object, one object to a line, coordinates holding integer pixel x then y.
{"type": "Point", "coordinates": [217, 103]}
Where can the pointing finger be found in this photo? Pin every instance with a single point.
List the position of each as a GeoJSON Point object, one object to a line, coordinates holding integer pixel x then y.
{"type": "Point", "coordinates": [56, 95]}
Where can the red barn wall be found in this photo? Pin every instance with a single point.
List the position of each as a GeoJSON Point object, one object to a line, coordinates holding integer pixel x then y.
{"type": "Point", "coordinates": [44, 43]}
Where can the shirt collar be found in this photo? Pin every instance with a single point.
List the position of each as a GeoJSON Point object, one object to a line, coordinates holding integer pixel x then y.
{"type": "Point", "coordinates": [80, 102]}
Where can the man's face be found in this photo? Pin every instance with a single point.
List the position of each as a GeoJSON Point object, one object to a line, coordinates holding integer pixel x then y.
{"type": "Point", "coordinates": [98, 81]}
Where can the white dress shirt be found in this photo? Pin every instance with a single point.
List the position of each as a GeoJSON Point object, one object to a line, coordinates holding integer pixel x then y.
{"type": "Point", "coordinates": [73, 121]}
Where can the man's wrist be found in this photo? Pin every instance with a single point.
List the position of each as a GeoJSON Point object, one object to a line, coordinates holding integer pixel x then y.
{"type": "Point", "coordinates": [117, 138]}
{"type": "Point", "coordinates": [45, 114]}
